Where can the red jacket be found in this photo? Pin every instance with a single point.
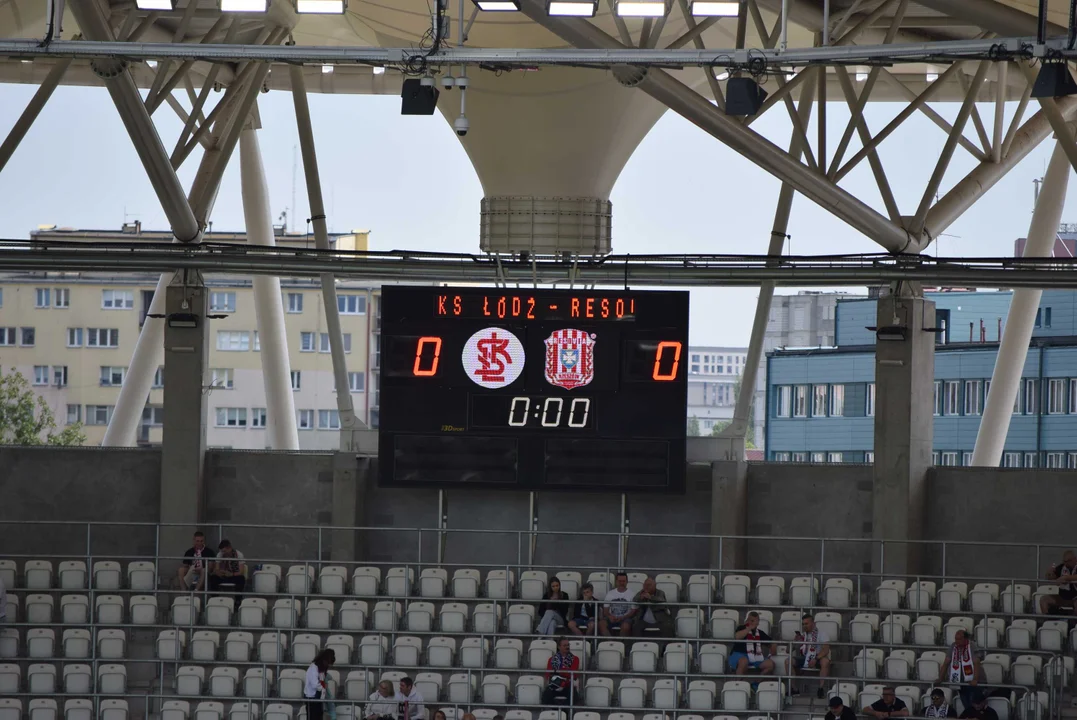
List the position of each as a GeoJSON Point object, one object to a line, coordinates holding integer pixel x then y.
{"type": "Point", "coordinates": [565, 670]}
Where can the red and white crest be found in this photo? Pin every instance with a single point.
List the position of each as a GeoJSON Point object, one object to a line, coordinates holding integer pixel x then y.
{"type": "Point", "coordinates": [570, 358]}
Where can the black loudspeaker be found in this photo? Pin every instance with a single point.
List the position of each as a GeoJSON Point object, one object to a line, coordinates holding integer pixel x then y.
{"type": "Point", "coordinates": [743, 97]}
{"type": "Point", "coordinates": [1054, 80]}
{"type": "Point", "coordinates": [418, 99]}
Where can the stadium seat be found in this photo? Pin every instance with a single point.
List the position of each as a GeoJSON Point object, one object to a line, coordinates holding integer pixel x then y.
{"type": "Point", "coordinates": [529, 689]}
{"type": "Point", "coordinates": [486, 618]}
{"type": "Point", "coordinates": [305, 648]}
{"type": "Point", "coordinates": [112, 679]}
{"type": "Point", "coordinates": [838, 592]}
{"type": "Point", "coordinates": [507, 653]}
{"type": "Point", "coordinates": [519, 715]}
{"type": "Point", "coordinates": [266, 579]}
{"type": "Point", "coordinates": [111, 644]}
{"type": "Point", "coordinates": [39, 609]}
{"type": "Point", "coordinates": [1020, 632]}
{"type": "Point", "coordinates": [789, 624]}
{"type": "Point", "coordinates": [366, 581]}
{"type": "Point", "coordinates": [867, 662]}
{"type": "Point", "coordinates": [190, 680]}
{"type": "Point", "coordinates": [107, 575]}
{"type": "Point", "coordinates": [37, 575]}
{"type": "Point", "coordinates": [114, 709]}
{"type": "Point", "coordinates": [899, 665]}
{"type": "Point", "coordinates": [803, 591]}
{"type": "Point", "coordinates": [352, 615]}
{"type": "Point", "coordinates": [666, 694]}
{"type": "Point", "coordinates": [406, 650]}
{"type": "Point", "coordinates": [299, 580]}
{"type": "Point", "coordinates": [735, 589]}
{"type": "Point", "coordinates": [602, 582]}
{"type": "Point", "coordinates": [252, 612]}
{"type": "Point", "coordinates": [951, 596]}
{"type": "Point", "coordinates": [500, 584]}
{"type": "Point", "coordinates": [701, 589]}
{"type": "Point", "coordinates": [736, 696]}
{"type": "Point", "coordinates": [571, 581]}
{"type": "Point", "coordinates": [257, 682]}
{"type": "Point", "coordinates": [41, 679]}
{"type": "Point", "coordinates": [461, 688]}
{"type": "Point", "coordinates": [219, 611]}
{"type": "Point", "coordinates": [1041, 591]}
{"type": "Point", "coordinates": [9, 643]}
{"type": "Point", "coordinates": [142, 576]}
{"type": "Point", "coordinates": [701, 695]}
{"type": "Point", "coordinates": [333, 580]}
{"type": "Point", "coordinates": [643, 656]}
{"type": "Point", "coordinates": [143, 609]}
{"type": "Point", "coordinates": [223, 682]}
{"type": "Point", "coordinates": [10, 679]}
{"type": "Point", "coordinates": [632, 693]}
{"type": "Point", "coordinates": [318, 615]}
{"type": "Point", "coordinates": [473, 652]}
{"type": "Point", "coordinates": [926, 630]}
{"type": "Point", "coordinates": [890, 594]}
{"type": "Point", "coordinates": [208, 710]}
{"type": "Point", "coordinates": [689, 623]}
{"type": "Point", "coordinates": [766, 619]}
{"type": "Point", "coordinates": [398, 581]}
{"type": "Point", "coordinates": [175, 710]}
{"type": "Point", "coordinates": [386, 616]}
{"type": "Point", "coordinates": [713, 659]}
{"type": "Point", "coordinates": [495, 689]}
{"type": "Point", "coordinates": [76, 642]}
{"type": "Point", "coordinates": [290, 684]}
{"type": "Point", "coordinates": [770, 590]}
{"type": "Point", "coordinates": [12, 608]}
{"type": "Point", "coordinates": [983, 598]}
{"type": "Point", "coordinates": [870, 694]}
{"type": "Point", "coordinates": [8, 574]}
{"type": "Point", "coordinates": [988, 632]}
{"type": "Point", "coordinates": [863, 627]}
{"type": "Point", "coordinates": [533, 585]}
{"type": "Point", "coordinates": [71, 575]}
{"type": "Point", "coordinates": [465, 583]}
{"type": "Point", "coordinates": [238, 646]}
{"type": "Point", "coordinates": [204, 645]}
{"type": "Point", "coordinates": [243, 711]}
{"type": "Point", "coordinates": [1015, 599]}
{"type": "Point", "coordinates": [171, 644]}
{"type": "Point", "coordinates": [610, 656]}
{"type": "Point", "coordinates": [955, 623]}
{"type": "Point", "coordinates": [520, 619]}
{"type": "Point", "coordinates": [670, 584]}
{"type": "Point", "coordinates": [185, 609]}
{"type": "Point", "coordinates": [453, 617]}
{"type": "Point", "coordinates": [373, 650]}
{"type": "Point", "coordinates": [769, 696]}
{"type": "Point", "coordinates": [1025, 670]}
{"type": "Point", "coordinates": [1051, 635]}
{"type": "Point", "coordinates": [40, 643]}
{"type": "Point", "coordinates": [829, 622]}
{"type": "Point", "coordinates": [893, 629]}
{"type": "Point", "coordinates": [678, 658]}
{"type": "Point", "coordinates": [724, 623]}
{"type": "Point", "coordinates": [286, 612]}
{"type": "Point", "coordinates": [920, 596]}
{"type": "Point", "coordinates": [272, 647]}
{"type": "Point", "coordinates": [929, 664]}
{"type": "Point", "coordinates": [428, 684]}
{"type": "Point", "coordinates": [440, 652]}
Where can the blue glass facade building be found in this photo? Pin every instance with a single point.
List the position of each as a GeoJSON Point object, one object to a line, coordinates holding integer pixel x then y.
{"type": "Point", "coordinates": [821, 401]}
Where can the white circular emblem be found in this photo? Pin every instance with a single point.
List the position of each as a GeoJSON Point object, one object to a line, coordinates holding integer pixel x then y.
{"type": "Point", "coordinates": [493, 357]}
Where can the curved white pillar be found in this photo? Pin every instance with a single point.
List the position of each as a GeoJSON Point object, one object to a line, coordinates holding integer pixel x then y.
{"type": "Point", "coordinates": [268, 305]}
{"type": "Point", "coordinates": [1006, 378]}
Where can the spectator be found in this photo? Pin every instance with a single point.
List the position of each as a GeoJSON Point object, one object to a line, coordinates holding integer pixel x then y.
{"type": "Point", "coordinates": [838, 711]}
{"type": "Point", "coordinates": [315, 690]}
{"type": "Point", "coordinates": [979, 709]}
{"type": "Point", "coordinates": [618, 611]}
{"type": "Point", "coordinates": [409, 700]}
{"type": "Point", "coordinates": [1064, 575]}
{"type": "Point", "coordinates": [584, 613]}
{"type": "Point", "coordinates": [814, 653]}
{"type": "Point", "coordinates": [552, 611]}
{"type": "Point", "coordinates": [890, 706]}
{"type": "Point", "coordinates": [561, 678]}
{"type": "Point", "coordinates": [195, 567]}
{"type": "Point", "coordinates": [229, 573]}
{"type": "Point", "coordinates": [939, 708]}
{"type": "Point", "coordinates": [752, 649]}
{"type": "Point", "coordinates": [654, 616]}
{"type": "Point", "coordinates": [382, 705]}
{"type": "Point", "coordinates": [963, 668]}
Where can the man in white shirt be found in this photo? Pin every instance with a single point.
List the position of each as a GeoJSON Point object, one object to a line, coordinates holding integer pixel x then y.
{"type": "Point", "coordinates": [409, 700]}
{"type": "Point", "coordinates": [618, 611]}
{"type": "Point", "coordinates": [813, 654]}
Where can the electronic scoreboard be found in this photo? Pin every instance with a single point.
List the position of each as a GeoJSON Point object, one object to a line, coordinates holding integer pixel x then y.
{"type": "Point", "coordinates": [533, 389]}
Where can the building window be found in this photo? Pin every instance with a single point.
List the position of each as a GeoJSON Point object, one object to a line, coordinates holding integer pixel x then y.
{"type": "Point", "coordinates": [112, 376]}
{"type": "Point", "coordinates": [59, 375]}
{"type": "Point", "coordinates": [61, 298]}
{"type": "Point", "coordinates": [1011, 460]}
{"type": "Point", "coordinates": [356, 382]}
{"type": "Point", "coordinates": [233, 340]}
{"type": "Point", "coordinates": [695, 358]}
{"type": "Point", "coordinates": [1047, 317]}
{"type": "Point", "coordinates": [966, 459]}
{"type": "Point", "coordinates": [869, 405]}
{"type": "Point", "coordinates": [694, 369]}
{"type": "Point", "coordinates": [117, 299]}
{"type": "Point", "coordinates": [375, 421]}
{"type": "Point", "coordinates": [1039, 316]}
{"type": "Point", "coordinates": [1056, 460]}
{"type": "Point", "coordinates": [258, 417]}
{"type": "Point", "coordinates": [1073, 396]}
{"type": "Point", "coordinates": [1071, 461]}
{"type": "Point", "coordinates": [306, 342]}
{"type": "Point", "coordinates": [800, 457]}
{"type": "Point", "coordinates": [1056, 397]}
{"type": "Point", "coordinates": [74, 414]}
{"type": "Point", "coordinates": [973, 400]}
{"type": "Point", "coordinates": [221, 301]}
{"type": "Point", "coordinates": [818, 457]}
{"type": "Point", "coordinates": [41, 298]}
{"type": "Point", "coordinates": [328, 420]}
{"type": "Point", "coordinates": [231, 417]}
{"type": "Point", "coordinates": [837, 400]}
{"type": "Point", "coordinates": [7, 336]}
{"type": "Point", "coordinates": [27, 336]}
{"type": "Point", "coordinates": [1032, 387]}
{"type": "Point", "coordinates": [351, 304]}
{"type": "Point", "coordinates": [153, 416]}
{"type": "Point", "coordinates": [1, 297]}
{"type": "Point", "coordinates": [324, 347]}
{"type": "Point", "coordinates": [818, 401]}
{"type": "Point", "coordinates": [222, 378]}
{"type": "Point", "coordinates": [295, 302]}
{"type": "Point", "coordinates": [800, 401]}
{"type": "Point", "coordinates": [949, 399]}
{"type": "Point", "coordinates": [778, 456]}
{"type": "Point", "coordinates": [783, 401]}
{"type": "Point", "coordinates": [296, 380]}
{"type": "Point", "coordinates": [159, 377]}
{"type": "Point", "coordinates": [949, 459]}
{"type": "Point", "coordinates": [102, 337]}
{"type": "Point", "coordinates": [834, 457]}
{"type": "Point", "coordinates": [1017, 404]}
{"type": "Point", "coordinates": [1031, 460]}
{"type": "Point", "coordinates": [98, 414]}
{"type": "Point", "coordinates": [938, 398]}
{"type": "Point", "coordinates": [934, 458]}
{"type": "Point", "coordinates": [306, 419]}
{"type": "Point", "coordinates": [869, 456]}
{"type": "Point", "coordinates": [41, 374]}
{"type": "Point", "coordinates": [74, 337]}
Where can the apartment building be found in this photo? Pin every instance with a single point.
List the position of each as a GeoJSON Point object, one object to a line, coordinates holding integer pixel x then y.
{"type": "Point", "coordinates": [712, 376]}
{"type": "Point", "coordinates": [72, 335]}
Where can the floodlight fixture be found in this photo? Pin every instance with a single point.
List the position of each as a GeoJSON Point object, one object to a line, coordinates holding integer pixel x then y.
{"type": "Point", "coordinates": [378, 70]}
{"type": "Point", "coordinates": [156, 5]}
{"type": "Point", "coordinates": [327, 69]}
{"type": "Point", "coordinates": [571, 8]}
{"type": "Point", "coordinates": [321, 7]}
{"type": "Point", "coordinates": [642, 8]}
{"type": "Point", "coordinates": [248, 6]}
{"type": "Point", "coordinates": [497, 5]}
{"type": "Point", "coordinates": [715, 8]}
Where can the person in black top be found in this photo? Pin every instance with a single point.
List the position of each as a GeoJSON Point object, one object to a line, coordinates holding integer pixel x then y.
{"type": "Point", "coordinates": [1064, 574]}
{"type": "Point", "coordinates": [552, 611]}
{"type": "Point", "coordinates": [195, 567]}
{"type": "Point", "coordinates": [838, 711]}
{"type": "Point", "coordinates": [939, 708]}
{"type": "Point", "coordinates": [979, 709]}
{"type": "Point", "coordinates": [228, 573]}
{"type": "Point", "coordinates": [752, 649]}
{"type": "Point", "coordinates": [890, 706]}
{"type": "Point", "coordinates": [584, 614]}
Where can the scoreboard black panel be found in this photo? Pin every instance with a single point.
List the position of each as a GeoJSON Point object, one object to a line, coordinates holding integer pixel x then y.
{"type": "Point", "coordinates": [531, 389]}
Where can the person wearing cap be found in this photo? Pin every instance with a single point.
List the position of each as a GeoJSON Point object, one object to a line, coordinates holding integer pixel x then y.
{"type": "Point", "coordinates": [938, 707]}
{"type": "Point", "coordinates": [229, 571]}
{"type": "Point", "coordinates": [889, 706]}
{"type": "Point", "coordinates": [838, 711]}
{"type": "Point", "coordinates": [979, 709]}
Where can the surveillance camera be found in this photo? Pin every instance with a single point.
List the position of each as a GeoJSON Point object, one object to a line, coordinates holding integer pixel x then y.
{"type": "Point", "coordinates": [448, 82]}
{"type": "Point", "coordinates": [461, 125]}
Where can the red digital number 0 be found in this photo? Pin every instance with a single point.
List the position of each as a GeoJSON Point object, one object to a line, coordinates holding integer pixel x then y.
{"type": "Point", "coordinates": [417, 369]}
{"type": "Point", "coordinates": [662, 347]}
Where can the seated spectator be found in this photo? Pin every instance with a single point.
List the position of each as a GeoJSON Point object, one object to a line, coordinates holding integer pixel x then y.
{"type": "Point", "coordinates": [195, 566]}
{"type": "Point", "coordinates": [561, 676]}
{"type": "Point", "coordinates": [1064, 575]}
{"type": "Point", "coordinates": [552, 610]}
{"type": "Point", "coordinates": [814, 654]}
{"type": "Point", "coordinates": [585, 613]}
{"type": "Point", "coordinates": [618, 612]}
{"type": "Point", "coordinates": [409, 700]}
{"type": "Point", "coordinates": [753, 648]}
{"type": "Point", "coordinates": [890, 706]}
{"type": "Point", "coordinates": [382, 705]}
{"type": "Point", "coordinates": [838, 711]}
{"type": "Point", "coordinates": [979, 709]}
{"type": "Point", "coordinates": [939, 708]}
{"type": "Point", "coordinates": [963, 667]}
{"type": "Point", "coordinates": [229, 573]}
{"type": "Point", "coordinates": [653, 617]}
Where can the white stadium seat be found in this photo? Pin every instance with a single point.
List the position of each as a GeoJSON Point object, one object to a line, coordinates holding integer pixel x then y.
{"type": "Point", "coordinates": [266, 579]}
{"type": "Point", "coordinates": [366, 581]}
{"type": "Point", "coordinates": [106, 575]}
{"type": "Point", "coordinates": [333, 580]}
{"type": "Point", "coordinates": [78, 679]}
{"type": "Point", "coordinates": [142, 576]}
{"type": "Point", "coordinates": [71, 575]}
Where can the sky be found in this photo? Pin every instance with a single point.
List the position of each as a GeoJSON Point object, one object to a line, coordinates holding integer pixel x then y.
{"type": "Point", "coordinates": [682, 190]}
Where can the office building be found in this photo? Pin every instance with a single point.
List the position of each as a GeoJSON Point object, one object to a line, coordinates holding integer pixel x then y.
{"type": "Point", "coordinates": [713, 373]}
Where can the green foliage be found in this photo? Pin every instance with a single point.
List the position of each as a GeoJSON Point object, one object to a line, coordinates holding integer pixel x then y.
{"type": "Point", "coordinates": [25, 418]}
{"type": "Point", "coordinates": [693, 426]}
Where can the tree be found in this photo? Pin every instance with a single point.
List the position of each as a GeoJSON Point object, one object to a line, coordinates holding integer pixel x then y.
{"type": "Point", "coordinates": [693, 426]}
{"type": "Point", "coordinates": [749, 437]}
{"type": "Point", "coordinates": [25, 418]}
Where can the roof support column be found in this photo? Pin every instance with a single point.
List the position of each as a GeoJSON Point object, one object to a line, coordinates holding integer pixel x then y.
{"type": "Point", "coordinates": [1006, 378]}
